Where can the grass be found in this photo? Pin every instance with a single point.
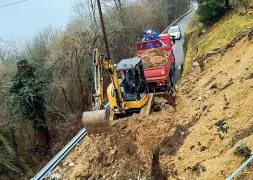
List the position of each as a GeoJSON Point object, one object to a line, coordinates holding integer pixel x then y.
{"type": "Point", "coordinates": [221, 33]}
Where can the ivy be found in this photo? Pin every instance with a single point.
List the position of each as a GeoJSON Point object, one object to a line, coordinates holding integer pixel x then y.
{"type": "Point", "coordinates": [27, 94]}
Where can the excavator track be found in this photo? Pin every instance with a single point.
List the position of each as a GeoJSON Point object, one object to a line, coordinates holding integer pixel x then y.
{"type": "Point", "coordinates": [145, 110]}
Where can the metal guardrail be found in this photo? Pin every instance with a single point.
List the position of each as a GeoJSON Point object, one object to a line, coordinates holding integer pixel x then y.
{"type": "Point", "coordinates": [241, 167]}
{"type": "Point", "coordinates": [178, 19]}
{"type": "Point", "coordinates": [61, 155]}
{"type": "Point", "coordinates": [53, 163]}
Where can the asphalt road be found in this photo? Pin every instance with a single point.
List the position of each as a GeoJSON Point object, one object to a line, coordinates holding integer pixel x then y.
{"type": "Point", "coordinates": [178, 47]}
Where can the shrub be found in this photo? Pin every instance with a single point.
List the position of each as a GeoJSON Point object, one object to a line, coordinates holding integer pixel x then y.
{"type": "Point", "coordinates": [210, 11]}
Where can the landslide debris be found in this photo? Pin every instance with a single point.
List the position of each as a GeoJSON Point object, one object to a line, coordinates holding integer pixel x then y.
{"type": "Point", "coordinates": [154, 58]}
{"type": "Point", "coordinates": [189, 138]}
{"type": "Point", "coordinates": [126, 153]}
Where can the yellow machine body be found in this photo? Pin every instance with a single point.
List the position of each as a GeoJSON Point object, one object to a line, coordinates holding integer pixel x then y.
{"type": "Point", "coordinates": [128, 105]}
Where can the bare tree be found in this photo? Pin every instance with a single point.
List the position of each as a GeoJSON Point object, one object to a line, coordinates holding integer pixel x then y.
{"type": "Point", "coordinates": [86, 11]}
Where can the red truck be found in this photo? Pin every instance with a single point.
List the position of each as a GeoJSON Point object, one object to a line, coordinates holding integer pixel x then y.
{"type": "Point", "coordinates": [158, 77]}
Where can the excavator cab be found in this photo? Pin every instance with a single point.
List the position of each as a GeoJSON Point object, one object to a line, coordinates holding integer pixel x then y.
{"type": "Point", "coordinates": [132, 80]}
{"type": "Point", "coordinates": [132, 85]}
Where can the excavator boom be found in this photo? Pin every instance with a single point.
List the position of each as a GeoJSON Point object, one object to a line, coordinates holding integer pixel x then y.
{"type": "Point", "coordinates": [97, 121]}
{"type": "Point", "coordinates": [98, 79]}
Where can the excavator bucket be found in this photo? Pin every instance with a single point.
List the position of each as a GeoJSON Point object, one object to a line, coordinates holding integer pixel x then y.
{"type": "Point", "coordinates": [97, 122]}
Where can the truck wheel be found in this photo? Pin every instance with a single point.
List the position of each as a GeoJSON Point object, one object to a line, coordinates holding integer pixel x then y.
{"type": "Point", "coordinates": [170, 84]}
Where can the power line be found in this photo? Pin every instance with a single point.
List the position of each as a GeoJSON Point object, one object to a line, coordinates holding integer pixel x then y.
{"type": "Point", "coordinates": [12, 3]}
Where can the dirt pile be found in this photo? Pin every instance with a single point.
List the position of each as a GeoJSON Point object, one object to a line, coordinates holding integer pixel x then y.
{"type": "Point", "coordinates": [213, 118]}
{"type": "Point", "coordinates": [154, 58]}
{"type": "Point", "coordinates": [126, 153]}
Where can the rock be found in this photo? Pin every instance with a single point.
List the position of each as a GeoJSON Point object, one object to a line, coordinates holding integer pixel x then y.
{"type": "Point", "coordinates": [210, 53]}
{"type": "Point", "coordinates": [195, 64]}
{"type": "Point", "coordinates": [250, 77]}
{"type": "Point", "coordinates": [242, 13]}
{"type": "Point", "coordinates": [226, 85]}
{"type": "Point", "coordinates": [226, 102]}
{"type": "Point", "coordinates": [65, 163]}
{"type": "Point", "coordinates": [203, 148]}
{"type": "Point", "coordinates": [214, 86]}
{"type": "Point", "coordinates": [250, 34]}
{"type": "Point", "coordinates": [204, 107]}
{"type": "Point", "coordinates": [111, 157]}
{"type": "Point", "coordinates": [198, 108]}
{"type": "Point", "coordinates": [163, 104]}
{"type": "Point", "coordinates": [115, 174]}
{"type": "Point", "coordinates": [53, 175]}
{"type": "Point", "coordinates": [71, 164]}
{"type": "Point", "coordinates": [157, 108]}
{"type": "Point", "coordinates": [209, 81]}
{"type": "Point", "coordinates": [108, 142]}
{"type": "Point", "coordinates": [193, 146]}
{"type": "Point", "coordinates": [123, 126]}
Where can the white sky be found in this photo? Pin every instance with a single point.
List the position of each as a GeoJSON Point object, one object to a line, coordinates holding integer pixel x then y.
{"type": "Point", "coordinates": [23, 20]}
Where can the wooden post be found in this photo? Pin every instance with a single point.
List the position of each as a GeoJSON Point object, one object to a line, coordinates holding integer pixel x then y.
{"type": "Point", "coordinates": [155, 167]}
{"type": "Point", "coordinates": [103, 29]}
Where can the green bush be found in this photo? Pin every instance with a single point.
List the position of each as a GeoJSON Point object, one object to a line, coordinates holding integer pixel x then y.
{"type": "Point", "coordinates": [210, 11]}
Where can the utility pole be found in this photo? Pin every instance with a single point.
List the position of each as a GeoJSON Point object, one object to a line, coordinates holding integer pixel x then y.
{"type": "Point", "coordinates": [103, 29]}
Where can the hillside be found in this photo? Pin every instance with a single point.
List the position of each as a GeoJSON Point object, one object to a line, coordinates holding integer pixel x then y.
{"type": "Point", "coordinates": [197, 140]}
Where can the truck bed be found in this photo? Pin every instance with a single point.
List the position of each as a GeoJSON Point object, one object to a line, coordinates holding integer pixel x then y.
{"type": "Point", "coordinates": [154, 58]}
{"type": "Point", "coordinates": [157, 61]}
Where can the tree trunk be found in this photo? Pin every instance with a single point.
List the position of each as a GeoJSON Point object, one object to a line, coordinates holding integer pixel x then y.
{"type": "Point", "coordinates": [43, 138]}
{"type": "Point", "coordinates": [42, 133]}
{"type": "Point", "coordinates": [227, 5]}
{"type": "Point", "coordinates": [246, 9]}
{"type": "Point", "coordinates": [155, 163]}
{"type": "Point", "coordinates": [156, 171]}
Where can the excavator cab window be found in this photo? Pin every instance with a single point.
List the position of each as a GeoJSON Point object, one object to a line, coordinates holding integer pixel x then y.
{"type": "Point", "coordinates": [132, 83]}
{"type": "Point", "coordinates": [141, 85]}
{"type": "Point", "coordinates": [128, 84]}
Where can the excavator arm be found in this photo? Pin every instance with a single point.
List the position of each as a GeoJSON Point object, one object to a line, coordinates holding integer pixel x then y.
{"type": "Point", "coordinates": [100, 62]}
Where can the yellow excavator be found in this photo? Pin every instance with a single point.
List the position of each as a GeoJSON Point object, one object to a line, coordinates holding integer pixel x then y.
{"type": "Point", "coordinates": [127, 92]}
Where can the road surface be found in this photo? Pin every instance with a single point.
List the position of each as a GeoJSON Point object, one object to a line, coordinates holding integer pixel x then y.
{"type": "Point", "coordinates": [178, 47]}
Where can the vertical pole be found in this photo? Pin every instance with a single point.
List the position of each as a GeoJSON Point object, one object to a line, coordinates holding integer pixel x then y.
{"type": "Point", "coordinates": [155, 167]}
{"type": "Point", "coordinates": [103, 29]}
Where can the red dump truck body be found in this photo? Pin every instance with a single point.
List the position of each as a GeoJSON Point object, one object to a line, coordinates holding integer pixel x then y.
{"type": "Point", "coordinates": [158, 77]}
